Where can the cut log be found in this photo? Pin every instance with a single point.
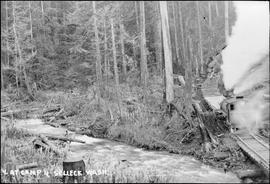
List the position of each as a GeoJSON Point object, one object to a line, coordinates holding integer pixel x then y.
{"type": "Point", "coordinates": [52, 109]}
{"type": "Point", "coordinates": [69, 167]}
{"type": "Point", "coordinates": [27, 166]}
{"type": "Point", "coordinates": [250, 173]}
{"type": "Point", "coordinates": [43, 142]}
{"type": "Point", "coordinates": [203, 130]}
{"type": "Point", "coordinates": [52, 147]}
{"type": "Point", "coordinates": [64, 139]}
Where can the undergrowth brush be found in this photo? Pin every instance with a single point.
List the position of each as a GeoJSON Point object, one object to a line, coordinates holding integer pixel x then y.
{"type": "Point", "coordinates": [126, 114]}
{"type": "Point", "coordinates": [17, 149]}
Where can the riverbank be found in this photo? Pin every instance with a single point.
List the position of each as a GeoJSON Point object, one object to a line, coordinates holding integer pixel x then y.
{"type": "Point", "coordinates": [131, 164]}
{"type": "Point", "coordinates": [147, 126]}
{"type": "Point", "coordinates": [17, 149]}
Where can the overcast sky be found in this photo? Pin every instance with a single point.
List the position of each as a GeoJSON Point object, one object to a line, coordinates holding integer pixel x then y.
{"type": "Point", "coordinates": [249, 41]}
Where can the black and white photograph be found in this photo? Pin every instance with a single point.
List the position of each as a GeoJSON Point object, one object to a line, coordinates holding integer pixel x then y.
{"type": "Point", "coordinates": [135, 92]}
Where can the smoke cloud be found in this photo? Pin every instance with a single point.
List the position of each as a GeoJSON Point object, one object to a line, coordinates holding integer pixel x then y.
{"type": "Point", "coordinates": [252, 114]}
{"type": "Point", "coordinates": [249, 41]}
{"type": "Point", "coordinates": [249, 46]}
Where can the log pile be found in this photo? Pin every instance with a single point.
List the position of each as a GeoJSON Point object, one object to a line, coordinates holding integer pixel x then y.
{"type": "Point", "coordinates": [42, 142]}
{"type": "Point", "coordinates": [16, 113]}
{"type": "Point", "coordinates": [52, 114]}
{"type": "Point", "coordinates": [207, 135]}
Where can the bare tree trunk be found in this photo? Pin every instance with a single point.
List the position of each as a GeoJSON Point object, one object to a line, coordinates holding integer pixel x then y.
{"type": "Point", "coordinates": [226, 21]}
{"type": "Point", "coordinates": [134, 49]}
{"type": "Point", "coordinates": [77, 5]}
{"type": "Point", "coordinates": [31, 26]}
{"type": "Point", "coordinates": [137, 30]}
{"type": "Point", "coordinates": [98, 57]}
{"type": "Point", "coordinates": [144, 70]}
{"type": "Point", "coordinates": [197, 66]}
{"type": "Point", "coordinates": [114, 56]}
{"type": "Point", "coordinates": [158, 45]}
{"type": "Point", "coordinates": [209, 13]}
{"type": "Point", "coordinates": [182, 32]}
{"type": "Point", "coordinates": [167, 51]}
{"type": "Point", "coordinates": [192, 57]}
{"type": "Point", "coordinates": [43, 18]}
{"type": "Point", "coordinates": [200, 35]}
{"type": "Point", "coordinates": [105, 51]}
{"type": "Point", "coordinates": [175, 34]}
{"type": "Point", "coordinates": [42, 10]}
{"type": "Point", "coordinates": [2, 78]}
{"type": "Point", "coordinates": [17, 43]}
{"type": "Point", "coordinates": [115, 67]}
{"type": "Point", "coordinates": [188, 75]}
{"type": "Point", "coordinates": [123, 50]}
{"type": "Point", "coordinates": [137, 16]}
{"type": "Point", "coordinates": [216, 7]}
{"type": "Point", "coordinates": [17, 68]}
{"type": "Point", "coordinates": [7, 34]}
{"type": "Point", "coordinates": [210, 25]}
{"type": "Point", "coordinates": [7, 53]}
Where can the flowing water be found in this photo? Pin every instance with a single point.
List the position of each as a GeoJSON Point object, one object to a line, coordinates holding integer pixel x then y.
{"type": "Point", "coordinates": [181, 168]}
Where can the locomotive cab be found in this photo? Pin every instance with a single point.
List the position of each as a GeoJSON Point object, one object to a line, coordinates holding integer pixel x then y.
{"type": "Point", "coordinates": [228, 106]}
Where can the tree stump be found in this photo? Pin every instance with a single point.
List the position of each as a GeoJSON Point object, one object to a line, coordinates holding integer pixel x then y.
{"type": "Point", "coordinates": [74, 170]}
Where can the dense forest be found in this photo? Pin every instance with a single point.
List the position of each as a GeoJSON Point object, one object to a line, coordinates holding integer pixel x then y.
{"type": "Point", "coordinates": [57, 44]}
{"type": "Point", "coordinates": [129, 71]}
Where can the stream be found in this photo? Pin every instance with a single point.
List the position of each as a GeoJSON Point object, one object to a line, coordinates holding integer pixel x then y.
{"type": "Point", "coordinates": [181, 168]}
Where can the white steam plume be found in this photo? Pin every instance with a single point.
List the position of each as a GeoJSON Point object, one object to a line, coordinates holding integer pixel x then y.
{"type": "Point", "coordinates": [249, 41]}
{"type": "Point", "coordinates": [253, 113]}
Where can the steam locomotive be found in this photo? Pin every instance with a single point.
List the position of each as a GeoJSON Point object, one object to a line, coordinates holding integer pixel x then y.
{"type": "Point", "coordinates": [253, 84]}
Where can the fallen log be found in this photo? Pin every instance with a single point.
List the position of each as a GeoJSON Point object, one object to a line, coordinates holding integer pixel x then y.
{"type": "Point", "coordinates": [52, 147]}
{"type": "Point", "coordinates": [52, 109]}
{"type": "Point", "coordinates": [64, 139]}
{"type": "Point", "coordinates": [39, 144]}
{"type": "Point", "coordinates": [42, 141]}
{"type": "Point", "coordinates": [250, 173]}
{"type": "Point", "coordinates": [8, 113]}
{"type": "Point", "coordinates": [27, 166]}
{"type": "Point", "coordinates": [204, 132]}
{"type": "Point", "coordinates": [200, 114]}
{"type": "Point", "coordinates": [56, 115]}
{"type": "Point", "coordinates": [52, 124]}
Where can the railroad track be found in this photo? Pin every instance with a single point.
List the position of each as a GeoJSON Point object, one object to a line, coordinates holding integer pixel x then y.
{"type": "Point", "coordinates": [253, 145]}
{"type": "Point", "coordinates": [256, 148]}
